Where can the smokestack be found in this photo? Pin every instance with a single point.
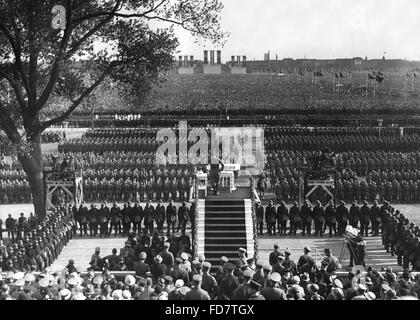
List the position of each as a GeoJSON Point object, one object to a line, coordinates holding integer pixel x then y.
{"type": "Point", "coordinates": [185, 61]}
{"type": "Point", "coordinates": [219, 57]}
{"type": "Point", "coordinates": [206, 57]}
{"type": "Point", "coordinates": [238, 60]}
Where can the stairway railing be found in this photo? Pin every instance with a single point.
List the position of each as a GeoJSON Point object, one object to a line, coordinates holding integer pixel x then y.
{"type": "Point", "coordinates": [254, 198]}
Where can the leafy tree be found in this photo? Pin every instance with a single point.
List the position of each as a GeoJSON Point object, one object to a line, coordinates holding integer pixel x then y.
{"type": "Point", "coordinates": [114, 38]}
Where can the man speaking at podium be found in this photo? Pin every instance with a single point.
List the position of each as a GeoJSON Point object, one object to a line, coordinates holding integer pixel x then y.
{"type": "Point", "coordinates": [215, 170]}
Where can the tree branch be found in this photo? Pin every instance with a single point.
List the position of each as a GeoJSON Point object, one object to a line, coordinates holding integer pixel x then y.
{"type": "Point", "coordinates": [55, 71]}
{"type": "Point", "coordinates": [8, 125]}
{"type": "Point", "coordinates": [16, 88]}
{"type": "Point", "coordinates": [77, 102]}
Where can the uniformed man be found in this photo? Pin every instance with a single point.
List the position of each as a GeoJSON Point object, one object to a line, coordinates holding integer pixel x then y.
{"type": "Point", "coordinates": [273, 291]}
{"type": "Point", "coordinates": [295, 218]}
{"type": "Point", "coordinates": [319, 218]}
{"type": "Point", "coordinates": [259, 212]}
{"type": "Point", "coordinates": [93, 220]}
{"type": "Point", "coordinates": [342, 217]}
{"type": "Point", "coordinates": [196, 292]}
{"type": "Point", "coordinates": [375, 218]}
{"type": "Point", "coordinates": [171, 216]}
{"type": "Point", "coordinates": [230, 282]}
{"type": "Point", "coordinates": [306, 263]}
{"type": "Point", "coordinates": [354, 214]}
{"type": "Point", "coordinates": [104, 217]}
{"type": "Point", "coordinates": [282, 218]}
{"type": "Point", "coordinates": [10, 227]}
{"type": "Point", "coordinates": [244, 291]}
{"type": "Point", "coordinates": [160, 216]}
{"type": "Point", "coordinates": [270, 218]}
{"type": "Point", "coordinates": [22, 225]}
{"type": "Point", "coordinates": [115, 219]}
{"type": "Point", "coordinates": [330, 262]}
{"type": "Point", "coordinates": [149, 217]}
{"type": "Point", "coordinates": [306, 213]}
{"type": "Point", "coordinates": [183, 216]}
{"type": "Point", "coordinates": [138, 216]}
{"type": "Point", "coordinates": [209, 283]}
{"type": "Point", "coordinates": [364, 218]}
{"type": "Point", "coordinates": [330, 219]}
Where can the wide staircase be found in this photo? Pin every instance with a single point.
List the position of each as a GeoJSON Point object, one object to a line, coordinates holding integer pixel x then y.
{"type": "Point", "coordinates": [224, 225]}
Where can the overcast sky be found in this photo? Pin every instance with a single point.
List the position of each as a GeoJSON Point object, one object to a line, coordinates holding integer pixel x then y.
{"type": "Point", "coordinates": [317, 29]}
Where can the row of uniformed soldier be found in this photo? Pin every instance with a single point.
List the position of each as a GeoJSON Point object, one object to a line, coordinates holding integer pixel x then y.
{"type": "Point", "coordinates": [319, 217]}
{"type": "Point", "coordinates": [400, 237]}
{"type": "Point", "coordinates": [41, 243]}
{"type": "Point", "coordinates": [101, 221]}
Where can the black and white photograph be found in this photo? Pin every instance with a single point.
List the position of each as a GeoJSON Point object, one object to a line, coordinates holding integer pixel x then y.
{"type": "Point", "coordinates": [217, 150]}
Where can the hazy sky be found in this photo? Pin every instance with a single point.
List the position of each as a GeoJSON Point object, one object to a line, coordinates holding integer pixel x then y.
{"type": "Point", "coordinates": [317, 29]}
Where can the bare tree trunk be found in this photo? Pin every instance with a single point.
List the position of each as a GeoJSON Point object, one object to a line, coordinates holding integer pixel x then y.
{"type": "Point", "coordinates": [32, 165]}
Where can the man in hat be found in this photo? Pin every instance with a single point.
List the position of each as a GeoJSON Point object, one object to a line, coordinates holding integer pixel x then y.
{"type": "Point", "coordinates": [257, 291]}
{"type": "Point", "coordinates": [196, 292]}
{"type": "Point", "coordinates": [96, 261]}
{"type": "Point", "coordinates": [221, 269]}
{"type": "Point", "coordinates": [272, 291]}
{"type": "Point", "coordinates": [331, 262]}
{"type": "Point", "coordinates": [160, 216]}
{"type": "Point", "coordinates": [282, 218]}
{"type": "Point", "coordinates": [306, 263]}
{"type": "Point", "coordinates": [307, 217]}
{"type": "Point", "coordinates": [141, 267]}
{"type": "Point", "coordinates": [289, 264]}
{"type": "Point", "coordinates": [158, 269]}
{"type": "Point", "coordinates": [364, 219]}
{"type": "Point", "coordinates": [230, 282]}
{"type": "Point", "coordinates": [242, 261]}
{"type": "Point", "coordinates": [295, 218]}
{"type": "Point", "coordinates": [183, 216]}
{"type": "Point", "coordinates": [273, 257]}
{"type": "Point", "coordinates": [354, 214]}
{"type": "Point", "coordinates": [209, 283]}
{"type": "Point", "coordinates": [171, 216]}
{"type": "Point", "coordinates": [259, 212]}
{"type": "Point", "coordinates": [167, 256]}
{"type": "Point", "coordinates": [270, 218]}
{"type": "Point", "coordinates": [10, 227]}
{"type": "Point", "coordinates": [178, 272]}
{"type": "Point", "coordinates": [244, 291]}
{"type": "Point", "coordinates": [330, 219]}
{"type": "Point", "coordinates": [342, 217]}
{"type": "Point", "coordinates": [375, 218]}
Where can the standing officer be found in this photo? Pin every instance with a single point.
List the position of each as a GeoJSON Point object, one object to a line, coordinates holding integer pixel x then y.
{"type": "Point", "coordinates": [306, 213]}
{"type": "Point", "coordinates": [375, 218]}
{"type": "Point", "coordinates": [282, 218]}
{"type": "Point", "coordinates": [160, 216]}
{"type": "Point", "coordinates": [84, 215]}
{"type": "Point", "coordinates": [115, 219]}
{"type": "Point", "coordinates": [319, 218]}
{"type": "Point", "coordinates": [138, 216]}
{"type": "Point", "coordinates": [22, 225]}
{"type": "Point", "coordinates": [354, 214]}
{"type": "Point", "coordinates": [270, 218]}
{"type": "Point", "coordinates": [295, 218]}
{"type": "Point", "coordinates": [10, 227]}
{"type": "Point", "coordinates": [93, 220]}
{"type": "Point", "coordinates": [364, 219]}
{"type": "Point", "coordinates": [259, 212]}
{"type": "Point", "coordinates": [183, 214]}
{"type": "Point", "coordinates": [104, 216]}
{"type": "Point", "coordinates": [171, 216]}
{"type": "Point", "coordinates": [342, 217]}
{"type": "Point", "coordinates": [330, 218]}
{"type": "Point", "coordinates": [149, 217]}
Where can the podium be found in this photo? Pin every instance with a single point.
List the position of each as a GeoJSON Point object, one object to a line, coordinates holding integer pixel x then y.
{"type": "Point", "coordinates": [202, 184]}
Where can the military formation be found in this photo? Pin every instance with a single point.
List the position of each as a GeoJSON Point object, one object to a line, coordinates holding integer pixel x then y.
{"type": "Point", "coordinates": [106, 220]}
{"type": "Point", "coordinates": [35, 243]}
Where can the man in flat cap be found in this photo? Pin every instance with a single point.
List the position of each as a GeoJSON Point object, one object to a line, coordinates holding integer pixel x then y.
{"type": "Point", "coordinates": [196, 292]}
